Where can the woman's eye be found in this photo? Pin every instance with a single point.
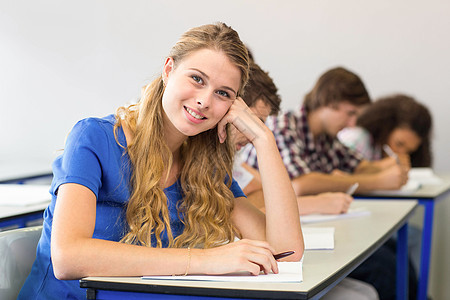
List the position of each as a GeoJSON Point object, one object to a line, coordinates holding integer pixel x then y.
{"type": "Point", "coordinates": [223, 94]}
{"type": "Point", "coordinates": [197, 79]}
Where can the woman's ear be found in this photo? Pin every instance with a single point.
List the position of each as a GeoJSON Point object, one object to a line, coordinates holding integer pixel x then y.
{"type": "Point", "coordinates": [167, 69]}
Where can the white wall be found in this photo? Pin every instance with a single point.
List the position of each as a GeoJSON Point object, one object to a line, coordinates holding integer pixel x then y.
{"type": "Point", "coordinates": [64, 60]}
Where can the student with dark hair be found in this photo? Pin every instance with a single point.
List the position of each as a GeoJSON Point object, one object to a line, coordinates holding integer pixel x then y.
{"type": "Point", "coordinates": [403, 124]}
{"type": "Point", "coordinates": [400, 122]}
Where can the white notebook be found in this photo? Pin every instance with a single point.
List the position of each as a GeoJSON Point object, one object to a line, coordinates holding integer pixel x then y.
{"type": "Point", "coordinates": [288, 272]}
{"type": "Point", "coordinates": [318, 238]}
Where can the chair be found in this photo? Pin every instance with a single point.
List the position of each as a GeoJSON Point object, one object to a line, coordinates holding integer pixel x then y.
{"type": "Point", "coordinates": [17, 254]}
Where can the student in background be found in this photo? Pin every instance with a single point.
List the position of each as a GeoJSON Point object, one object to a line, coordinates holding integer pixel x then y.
{"type": "Point", "coordinates": [317, 162]}
{"type": "Point", "coordinates": [307, 139]}
{"type": "Point", "coordinates": [403, 124]}
{"type": "Point", "coordinates": [149, 189]}
{"type": "Point", "coordinates": [398, 121]}
{"type": "Point", "coordinates": [261, 97]}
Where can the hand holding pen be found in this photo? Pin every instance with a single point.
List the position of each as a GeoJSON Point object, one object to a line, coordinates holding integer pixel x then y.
{"type": "Point", "coordinates": [283, 254]}
{"type": "Point", "coordinates": [352, 189]}
{"type": "Point", "coordinates": [391, 152]}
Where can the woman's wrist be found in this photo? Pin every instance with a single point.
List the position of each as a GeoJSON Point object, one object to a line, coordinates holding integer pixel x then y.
{"type": "Point", "coordinates": [264, 139]}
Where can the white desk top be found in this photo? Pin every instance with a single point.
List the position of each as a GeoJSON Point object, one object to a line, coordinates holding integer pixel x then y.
{"type": "Point", "coordinates": [15, 211]}
{"type": "Point", "coordinates": [24, 168]}
{"type": "Point", "coordinates": [355, 240]}
{"type": "Point", "coordinates": [29, 199]}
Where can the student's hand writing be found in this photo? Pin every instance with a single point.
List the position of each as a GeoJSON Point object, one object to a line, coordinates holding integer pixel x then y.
{"type": "Point", "coordinates": [333, 203]}
{"type": "Point", "coordinates": [241, 256]}
{"type": "Point", "coordinates": [405, 161]}
{"type": "Point", "coordinates": [244, 120]}
{"type": "Point", "coordinates": [393, 178]}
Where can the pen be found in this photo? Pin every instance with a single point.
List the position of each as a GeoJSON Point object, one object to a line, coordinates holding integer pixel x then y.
{"type": "Point", "coordinates": [283, 254]}
{"type": "Point", "coordinates": [352, 189]}
{"type": "Point", "coordinates": [390, 152]}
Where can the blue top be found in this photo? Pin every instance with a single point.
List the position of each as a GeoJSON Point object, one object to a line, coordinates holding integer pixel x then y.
{"type": "Point", "coordinates": [93, 159]}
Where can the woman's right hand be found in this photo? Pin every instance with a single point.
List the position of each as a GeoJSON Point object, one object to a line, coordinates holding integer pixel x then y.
{"type": "Point", "coordinates": [241, 256]}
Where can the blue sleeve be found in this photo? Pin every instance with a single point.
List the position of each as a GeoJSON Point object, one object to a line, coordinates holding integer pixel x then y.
{"type": "Point", "coordinates": [236, 189]}
{"type": "Point", "coordinates": [81, 160]}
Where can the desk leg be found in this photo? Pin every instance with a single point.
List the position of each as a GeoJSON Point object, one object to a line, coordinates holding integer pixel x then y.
{"type": "Point", "coordinates": [425, 248]}
{"type": "Point", "coordinates": [402, 262]}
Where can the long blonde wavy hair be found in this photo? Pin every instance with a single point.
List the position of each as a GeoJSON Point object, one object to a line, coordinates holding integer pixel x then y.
{"type": "Point", "coordinates": [206, 163]}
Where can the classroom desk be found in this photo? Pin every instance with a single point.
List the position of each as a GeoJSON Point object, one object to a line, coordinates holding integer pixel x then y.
{"type": "Point", "coordinates": [19, 170]}
{"type": "Point", "coordinates": [20, 215]}
{"type": "Point", "coordinates": [355, 240]}
{"type": "Point", "coordinates": [22, 203]}
{"type": "Point", "coordinates": [427, 195]}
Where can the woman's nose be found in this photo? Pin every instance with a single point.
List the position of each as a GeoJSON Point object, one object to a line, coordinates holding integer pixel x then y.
{"type": "Point", "coordinates": [204, 100]}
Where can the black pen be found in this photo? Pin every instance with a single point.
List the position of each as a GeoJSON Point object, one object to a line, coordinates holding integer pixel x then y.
{"type": "Point", "coordinates": [283, 254]}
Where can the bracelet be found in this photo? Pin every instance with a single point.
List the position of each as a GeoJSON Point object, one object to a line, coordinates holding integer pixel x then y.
{"type": "Point", "coordinates": [188, 262]}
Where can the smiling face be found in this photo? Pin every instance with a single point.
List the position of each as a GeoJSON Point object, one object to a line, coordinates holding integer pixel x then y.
{"type": "Point", "coordinates": [199, 91]}
{"type": "Point", "coordinates": [403, 140]}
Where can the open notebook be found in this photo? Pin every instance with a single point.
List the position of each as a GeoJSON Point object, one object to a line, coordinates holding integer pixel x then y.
{"type": "Point", "coordinates": [23, 194]}
{"type": "Point", "coordinates": [288, 272]}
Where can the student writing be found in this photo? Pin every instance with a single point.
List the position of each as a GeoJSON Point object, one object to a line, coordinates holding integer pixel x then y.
{"type": "Point", "coordinates": [307, 139]}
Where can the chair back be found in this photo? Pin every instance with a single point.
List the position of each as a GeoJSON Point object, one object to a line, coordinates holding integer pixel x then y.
{"type": "Point", "coordinates": [17, 254]}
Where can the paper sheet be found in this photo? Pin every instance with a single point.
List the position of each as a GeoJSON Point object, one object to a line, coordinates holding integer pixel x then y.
{"type": "Point", "coordinates": [288, 272]}
{"type": "Point", "coordinates": [23, 194]}
{"type": "Point", "coordinates": [318, 238]}
{"type": "Point", "coordinates": [424, 176]}
{"type": "Point", "coordinates": [351, 213]}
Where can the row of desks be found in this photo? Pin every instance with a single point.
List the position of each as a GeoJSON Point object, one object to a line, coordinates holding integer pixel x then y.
{"type": "Point", "coordinates": [355, 240]}
{"type": "Point", "coordinates": [317, 280]}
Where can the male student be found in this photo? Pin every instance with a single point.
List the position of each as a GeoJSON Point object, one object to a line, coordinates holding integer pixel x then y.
{"type": "Point", "coordinates": [262, 99]}
{"type": "Point", "coordinates": [261, 95]}
{"type": "Point", "coordinates": [315, 159]}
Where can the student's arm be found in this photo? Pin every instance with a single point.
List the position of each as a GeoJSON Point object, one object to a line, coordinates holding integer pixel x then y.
{"type": "Point", "coordinates": [367, 167]}
{"type": "Point", "coordinates": [76, 254]}
{"type": "Point", "coordinates": [282, 223]}
{"type": "Point", "coordinates": [254, 185]}
{"type": "Point", "coordinates": [312, 183]}
{"type": "Point", "coordinates": [325, 203]}
{"type": "Point", "coordinates": [257, 199]}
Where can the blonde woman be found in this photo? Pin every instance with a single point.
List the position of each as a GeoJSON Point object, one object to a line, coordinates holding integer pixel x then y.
{"type": "Point", "coordinates": [149, 190]}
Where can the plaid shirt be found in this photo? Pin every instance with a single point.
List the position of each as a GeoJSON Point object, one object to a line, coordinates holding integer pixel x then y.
{"type": "Point", "coordinates": [301, 153]}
